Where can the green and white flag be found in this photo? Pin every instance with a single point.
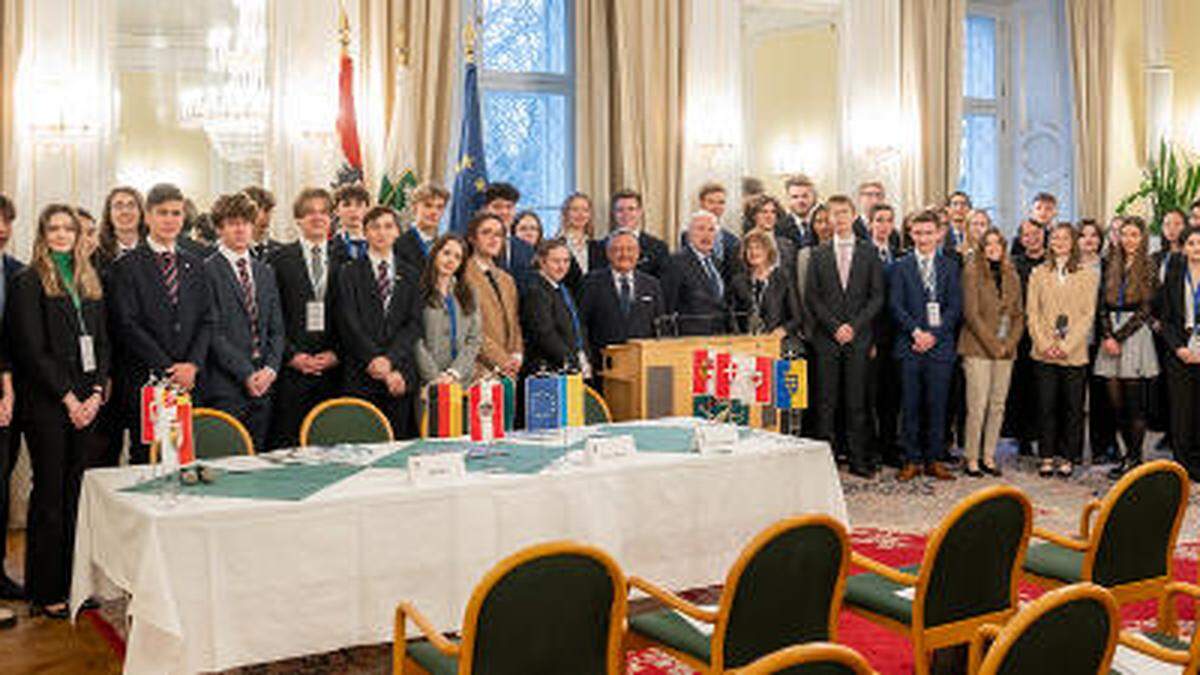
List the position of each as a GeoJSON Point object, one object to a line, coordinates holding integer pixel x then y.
{"type": "Point", "coordinates": [400, 176]}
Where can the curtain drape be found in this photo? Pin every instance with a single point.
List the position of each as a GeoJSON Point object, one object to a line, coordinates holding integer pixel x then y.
{"type": "Point", "coordinates": [9, 39]}
{"type": "Point", "coordinates": [593, 112]}
{"type": "Point", "coordinates": [1090, 24]}
{"type": "Point", "coordinates": [931, 84]}
{"type": "Point", "coordinates": [432, 31]}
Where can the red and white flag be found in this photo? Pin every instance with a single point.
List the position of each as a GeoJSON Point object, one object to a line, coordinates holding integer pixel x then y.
{"type": "Point", "coordinates": [486, 411]}
{"type": "Point", "coordinates": [763, 367]}
{"type": "Point", "coordinates": [726, 371]}
{"type": "Point", "coordinates": [703, 372]}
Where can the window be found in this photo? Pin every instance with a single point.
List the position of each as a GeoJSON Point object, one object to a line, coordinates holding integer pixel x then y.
{"type": "Point", "coordinates": [982, 172]}
{"type": "Point", "coordinates": [526, 84]}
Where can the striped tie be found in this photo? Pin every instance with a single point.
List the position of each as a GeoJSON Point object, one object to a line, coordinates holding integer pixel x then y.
{"type": "Point", "coordinates": [384, 280]}
{"type": "Point", "coordinates": [249, 302]}
{"type": "Point", "coordinates": [170, 272]}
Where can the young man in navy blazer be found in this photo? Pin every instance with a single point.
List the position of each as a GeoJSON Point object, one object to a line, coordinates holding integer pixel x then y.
{"type": "Point", "coordinates": [516, 258]}
{"type": "Point", "coordinates": [161, 305]}
{"type": "Point", "coordinates": [10, 437]}
{"type": "Point", "coordinates": [429, 203]}
{"type": "Point", "coordinates": [627, 213]}
{"type": "Point", "coordinates": [246, 351]}
{"type": "Point", "coordinates": [926, 305]}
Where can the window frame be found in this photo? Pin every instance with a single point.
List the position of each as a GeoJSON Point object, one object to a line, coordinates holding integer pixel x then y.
{"type": "Point", "coordinates": [1000, 107]}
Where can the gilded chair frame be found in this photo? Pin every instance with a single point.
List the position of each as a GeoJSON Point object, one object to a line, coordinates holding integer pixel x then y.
{"type": "Point", "coordinates": [1189, 659]}
{"type": "Point", "coordinates": [720, 618]}
{"type": "Point", "coordinates": [1003, 638]}
{"type": "Point", "coordinates": [465, 649]}
{"type": "Point", "coordinates": [926, 640]}
{"type": "Point", "coordinates": [811, 653]}
{"type": "Point", "coordinates": [247, 442]}
{"type": "Point", "coordinates": [1088, 542]}
{"type": "Point", "coordinates": [589, 391]}
{"type": "Point", "coordinates": [351, 401]}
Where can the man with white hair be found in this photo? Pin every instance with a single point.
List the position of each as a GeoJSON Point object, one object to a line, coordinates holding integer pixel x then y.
{"type": "Point", "coordinates": [695, 281]}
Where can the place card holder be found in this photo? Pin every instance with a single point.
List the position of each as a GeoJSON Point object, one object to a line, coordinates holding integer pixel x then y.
{"type": "Point", "coordinates": [436, 468]}
{"type": "Point", "coordinates": [609, 448]}
{"type": "Point", "coordinates": [715, 438]}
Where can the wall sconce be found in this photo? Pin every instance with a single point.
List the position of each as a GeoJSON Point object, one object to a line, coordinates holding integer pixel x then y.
{"type": "Point", "coordinates": [62, 111]}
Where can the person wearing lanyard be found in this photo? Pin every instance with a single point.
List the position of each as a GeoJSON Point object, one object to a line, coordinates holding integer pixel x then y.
{"type": "Point", "coordinates": [1180, 299]}
{"type": "Point", "coordinates": [59, 331]}
{"type": "Point", "coordinates": [446, 351]}
{"type": "Point", "coordinates": [554, 337]}
{"type": "Point", "coordinates": [429, 203]}
{"type": "Point", "coordinates": [350, 204]}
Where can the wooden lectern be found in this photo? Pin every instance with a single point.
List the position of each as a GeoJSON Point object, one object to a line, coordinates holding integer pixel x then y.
{"type": "Point", "coordinates": [650, 378]}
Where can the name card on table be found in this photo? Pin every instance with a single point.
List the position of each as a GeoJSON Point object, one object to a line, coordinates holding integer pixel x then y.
{"type": "Point", "coordinates": [715, 438]}
{"type": "Point", "coordinates": [608, 448]}
{"type": "Point", "coordinates": [436, 468]}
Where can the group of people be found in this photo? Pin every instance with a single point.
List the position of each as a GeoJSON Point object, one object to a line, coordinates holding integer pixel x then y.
{"type": "Point", "coordinates": [363, 304]}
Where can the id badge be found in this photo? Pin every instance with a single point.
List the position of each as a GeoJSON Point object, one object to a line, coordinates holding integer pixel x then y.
{"type": "Point", "coordinates": [1194, 343]}
{"type": "Point", "coordinates": [314, 316]}
{"type": "Point", "coordinates": [1002, 328]}
{"type": "Point", "coordinates": [87, 353]}
{"type": "Point", "coordinates": [933, 312]}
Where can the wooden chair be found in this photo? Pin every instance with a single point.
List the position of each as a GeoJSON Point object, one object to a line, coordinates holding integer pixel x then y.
{"type": "Point", "coordinates": [1069, 631]}
{"type": "Point", "coordinates": [1130, 549]}
{"type": "Point", "coordinates": [1165, 647]}
{"type": "Point", "coordinates": [557, 607]}
{"type": "Point", "coordinates": [818, 657]}
{"type": "Point", "coordinates": [345, 420]}
{"type": "Point", "coordinates": [784, 589]}
{"type": "Point", "coordinates": [595, 409]}
{"type": "Point", "coordinates": [967, 577]}
{"type": "Point", "coordinates": [216, 434]}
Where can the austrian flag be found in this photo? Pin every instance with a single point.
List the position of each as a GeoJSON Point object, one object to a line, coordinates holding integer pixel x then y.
{"type": "Point", "coordinates": [486, 411]}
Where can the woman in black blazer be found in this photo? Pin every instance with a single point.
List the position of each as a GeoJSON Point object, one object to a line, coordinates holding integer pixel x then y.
{"type": "Point", "coordinates": [764, 299]}
{"type": "Point", "coordinates": [1180, 303]}
{"type": "Point", "coordinates": [576, 229]}
{"type": "Point", "coordinates": [57, 308]}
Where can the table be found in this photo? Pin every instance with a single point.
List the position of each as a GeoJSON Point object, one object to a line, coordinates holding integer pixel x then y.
{"type": "Point", "coordinates": [219, 582]}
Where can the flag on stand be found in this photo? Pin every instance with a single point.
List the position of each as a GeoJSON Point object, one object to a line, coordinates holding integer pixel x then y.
{"type": "Point", "coordinates": [443, 411]}
{"type": "Point", "coordinates": [486, 410]}
{"type": "Point", "coordinates": [763, 367]}
{"type": "Point", "coordinates": [351, 170]}
{"type": "Point", "coordinates": [703, 372]}
{"type": "Point", "coordinates": [175, 410]}
{"type": "Point", "coordinates": [400, 173]}
{"type": "Point", "coordinates": [470, 170]}
{"type": "Point", "coordinates": [571, 394]}
{"type": "Point", "coordinates": [542, 403]}
{"type": "Point", "coordinates": [726, 369]}
{"type": "Point", "coordinates": [510, 402]}
{"type": "Point", "coordinates": [791, 384]}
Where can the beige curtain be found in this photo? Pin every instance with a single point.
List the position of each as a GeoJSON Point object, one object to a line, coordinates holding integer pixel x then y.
{"type": "Point", "coordinates": [9, 40]}
{"type": "Point", "coordinates": [1090, 24]}
{"type": "Point", "coordinates": [593, 118]}
{"type": "Point", "coordinates": [432, 31]}
{"type": "Point", "coordinates": [931, 82]}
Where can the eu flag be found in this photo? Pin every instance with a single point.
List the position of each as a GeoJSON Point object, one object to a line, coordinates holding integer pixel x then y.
{"type": "Point", "coordinates": [471, 169]}
{"type": "Point", "coordinates": [544, 402]}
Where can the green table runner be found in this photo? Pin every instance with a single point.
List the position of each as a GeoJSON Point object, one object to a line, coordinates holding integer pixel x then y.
{"type": "Point", "coordinates": [291, 483]}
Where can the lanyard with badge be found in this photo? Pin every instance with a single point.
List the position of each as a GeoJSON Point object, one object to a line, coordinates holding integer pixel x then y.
{"type": "Point", "coordinates": [87, 344]}
{"type": "Point", "coordinates": [933, 308]}
{"type": "Point", "coordinates": [1194, 289]}
{"type": "Point", "coordinates": [314, 310]}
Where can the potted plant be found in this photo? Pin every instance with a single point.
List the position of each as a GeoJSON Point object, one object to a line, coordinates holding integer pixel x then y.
{"type": "Point", "coordinates": [1169, 182]}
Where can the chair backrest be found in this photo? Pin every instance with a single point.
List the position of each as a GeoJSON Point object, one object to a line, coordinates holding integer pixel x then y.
{"type": "Point", "coordinates": [817, 658]}
{"type": "Point", "coordinates": [1139, 520]}
{"type": "Point", "coordinates": [553, 608]}
{"type": "Point", "coordinates": [1068, 631]}
{"type": "Point", "coordinates": [784, 589]}
{"type": "Point", "coordinates": [345, 420]}
{"type": "Point", "coordinates": [216, 433]}
{"type": "Point", "coordinates": [972, 561]}
{"type": "Point", "coordinates": [595, 409]}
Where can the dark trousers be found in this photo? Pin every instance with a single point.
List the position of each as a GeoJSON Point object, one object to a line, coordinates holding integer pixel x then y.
{"type": "Point", "coordinates": [925, 386]}
{"type": "Point", "coordinates": [884, 399]}
{"type": "Point", "coordinates": [120, 416]}
{"type": "Point", "coordinates": [1060, 393]}
{"type": "Point", "coordinates": [253, 413]}
{"type": "Point", "coordinates": [8, 460]}
{"type": "Point", "coordinates": [295, 395]}
{"type": "Point", "coordinates": [400, 411]}
{"type": "Point", "coordinates": [956, 408]}
{"type": "Point", "coordinates": [842, 387]}
{"type": "Point", "coordinates": [1022, 412]}
{"type": "Point", "coordinates": [58, 452]}
{"type": "Point", "coordinates": [1102, 429]}
{"type": "Point", "coordinates": [1183, 382]}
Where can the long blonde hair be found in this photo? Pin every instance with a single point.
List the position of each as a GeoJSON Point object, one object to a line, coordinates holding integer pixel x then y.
{"type": "Point", "coordinates": [1140, 282]}
{"type": "Point", "coordinates": [86, 281]}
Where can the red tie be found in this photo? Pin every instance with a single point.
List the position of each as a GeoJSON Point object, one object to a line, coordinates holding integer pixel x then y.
{"type": "Point", "coordinates": [249, 301]}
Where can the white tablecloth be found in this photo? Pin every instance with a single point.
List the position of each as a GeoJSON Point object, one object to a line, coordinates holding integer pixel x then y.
{"type": "Point", "coordinates": [219, 582]}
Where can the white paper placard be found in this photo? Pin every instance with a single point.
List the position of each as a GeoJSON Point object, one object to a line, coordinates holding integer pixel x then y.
{"type": "Point", "coordinates": [436, 468]}
{"type": "Point", "coordinates": [607, 448]}
{"type": "Point", "coordinates": [714, 438]}
{"type": "Point", "coordinates": [908, 593]}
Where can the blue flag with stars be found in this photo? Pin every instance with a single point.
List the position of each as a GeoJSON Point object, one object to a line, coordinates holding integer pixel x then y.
{"type": "Point", "coordinates": [471, 169]}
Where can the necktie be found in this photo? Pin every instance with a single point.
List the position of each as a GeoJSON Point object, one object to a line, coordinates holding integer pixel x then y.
{"type": "Point", "coordinates": [384, 283]}
{"type": "Point", "coordinates": [170, 274]}
{"type": "Point", "coordinates": [626, 294]}
{"type": "Point", "coordinates": [927, 275]}
{"type": "Point", "coordinates": [843, 263]}
{"type": "Point", "coordinates": [714, 279]}
{"type": "Point", "coordinates": [566, 296]}
{"type": "Point", "coordinates": [759, 287]}
{"type": "Point", "coordinates": [249, 301]}
{"type": "Point", "coordinates": [318, 272]}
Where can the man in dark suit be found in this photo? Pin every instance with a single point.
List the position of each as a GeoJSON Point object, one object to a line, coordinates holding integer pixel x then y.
{"type": "Point", "coordinates": [727, 248]}
{"type": "Point", "coordinates": [884, 396]}
{"type": "Point", "coordinates": [694, 285]}
{"type": "Point", "coordinates": [555, 335]}
{"type": "Point", "coordinates": [926, 305]}
{"type": "Point", "coordinates": [845, 292]}
{"type": "Point", "coordinates": [161, 306]}
{"type": "Point", "coordinates": [516, 258]}
{"type": "Point", "coordinates": [619, 303]}
{"type": "Point", "coordinates": [263, 246]}
{"type": "Point", "coordinates": [350, 204]}
{"type": "Point", "coordinates": [379, 323]}
{"type": "Point", "coordinates": [10, 436]}
{"type": "Point", "coordinates": [870, 193]}
{"type": "Point", "coordinates": [627, 215]}
{"type": "Point", "coordinates": [305, 273]}
{"type": "Point", "coordinates": [246, 350]}
{"type": "Point", "coordinates": [1022, 414]}
{"type": "Point", "coordinates": [429, 203]}
{"type": "Point", "coordinates": [801, 199]}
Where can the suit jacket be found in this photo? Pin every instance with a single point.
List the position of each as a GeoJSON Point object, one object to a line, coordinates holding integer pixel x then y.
{"type": "Point", "coordinates": [154, 334]}
{"type": "Point", "coordinates": [1047, 299]}
{"type": "Point", "coordinates": [366, 329]}
{"type": "Point", "coordinates": [798, 229]}
{"type": "Point", "coordinates": [263, 250]}
{"type": "Point", "coordinates": [600, 310]}
{"type": "Point", "coordinates": [550, 338]}
{"type": "Point", "coordinates": [1173, 302]}
{"type": "Point", "coordinates": [517, 260]}
{"type": "Point", "coordinates": [862, 229]}
{"type": "Point", "coordinates": [653, 258]}
{"type": "Point", "coordinates": [46, 342]}
{"type": "Point", "coordinates": [230, 355]}
{"type": "Point", "coordinates": [11, 268]}
{"type": "Point", "coordinates": [597, 259]}
{"type": "Point", "coordinates": [908, 297]}
{"type": "Point", "coordinates": [688, 293]}
{"type": "Point", "coordinates": [296, 291]}
{"type": "Point", "coordinates": [197, 249]}
{"type": "Point", "coordinates": [831, 305]}
{"type": "Point", "coordinates": [434, 355]}
{"type": "Point", "coordinates": [779, 306]}
{"type": "Point", "coordinates": [410, 248]}
{"type": "Point", "coordinates": [983, 307]}
{"type": "Point", "coordinates": [499, 316]}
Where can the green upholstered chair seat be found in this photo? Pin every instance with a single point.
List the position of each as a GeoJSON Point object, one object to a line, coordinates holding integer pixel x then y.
{"type": "Point", "coordinates": [347, 424]}
{"type": "Point", "coordinates": [666, 626]}
{"type": "Point", "coordinates": [214, 438]}
{"type": "Point", "coordinates": [875, 593]}
{"type": "Point", "coordinates": [429, 658]}
{"type": "Point", "coordinates": [594, 411]}
{"type": "Point", "coordinates": [1168, 641]}
{"type": "Point", "coordinates": [1055, 562]}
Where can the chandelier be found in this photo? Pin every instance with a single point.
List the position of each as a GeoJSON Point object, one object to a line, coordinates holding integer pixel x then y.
{"type": "Point", "coordinates": [233, 105]}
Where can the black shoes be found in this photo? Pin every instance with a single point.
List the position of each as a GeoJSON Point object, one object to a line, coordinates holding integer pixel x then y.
{"type": "Point", "coordinates": [10, 590]}
{"type": "Point", "coordinates": [991, 470]}
{"type": "Point", "coordinates": [1123, 467]}
{"type": "Point", "coordinates": [57, 611]}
